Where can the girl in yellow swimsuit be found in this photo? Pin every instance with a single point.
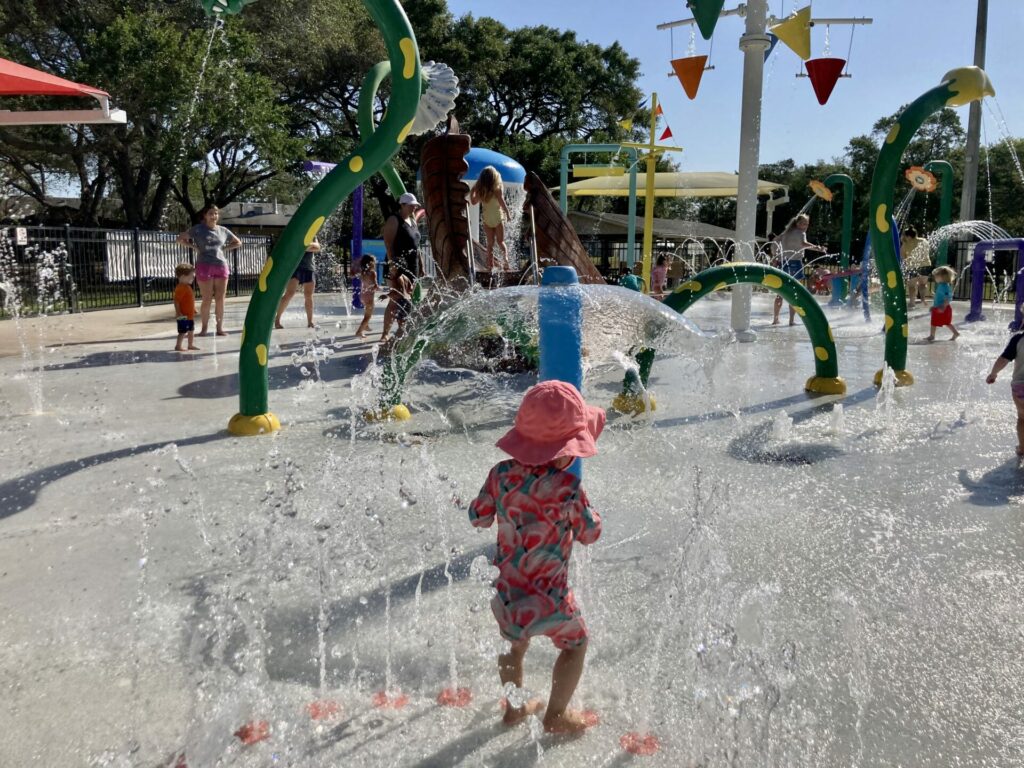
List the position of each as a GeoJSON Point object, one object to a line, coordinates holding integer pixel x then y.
{"type": "Point", "coordinates": [489, 193]}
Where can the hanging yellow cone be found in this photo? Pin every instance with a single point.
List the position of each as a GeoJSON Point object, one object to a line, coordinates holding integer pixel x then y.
{"type": "Point", "coordinates": [795, 32]}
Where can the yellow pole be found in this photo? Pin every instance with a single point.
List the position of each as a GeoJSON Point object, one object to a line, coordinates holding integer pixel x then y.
{"type": "Point", "coordinates": [649, 197]}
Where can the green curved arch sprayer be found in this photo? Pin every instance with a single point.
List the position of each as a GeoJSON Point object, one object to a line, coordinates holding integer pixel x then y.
{"type": "Point", "coordinates": [826, 378]}
{"type": "Point", "coordinates": [368, 157]}
{"type": "Point", "coordinates": [958, 87]}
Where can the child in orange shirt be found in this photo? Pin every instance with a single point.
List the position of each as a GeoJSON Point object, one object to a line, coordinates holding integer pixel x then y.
{"type": "Point", "coordinates": [185, 305]}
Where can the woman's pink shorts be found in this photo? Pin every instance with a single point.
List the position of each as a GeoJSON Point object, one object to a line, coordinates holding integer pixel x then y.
{"type": "Point", "coordinates": [205, 272]}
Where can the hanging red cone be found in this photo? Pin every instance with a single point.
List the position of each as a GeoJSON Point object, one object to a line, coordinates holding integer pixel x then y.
{"type": "Point", "coordinates": [690, 70]}
{"type": "Point", "coordinates": [824, 74]}
{"type": "Point", "coordinates": [666, 134]}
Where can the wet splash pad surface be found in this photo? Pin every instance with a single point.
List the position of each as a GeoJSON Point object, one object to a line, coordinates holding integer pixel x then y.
{"type": "Point", "coordinates": [776, 584]}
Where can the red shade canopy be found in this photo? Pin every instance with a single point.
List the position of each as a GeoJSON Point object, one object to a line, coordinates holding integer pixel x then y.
{"type": "Point", "coordinates": [18, 80]}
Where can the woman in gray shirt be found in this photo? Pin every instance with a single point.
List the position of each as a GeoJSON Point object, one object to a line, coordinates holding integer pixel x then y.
{"type": "Point", "coordinates": [792, 244]}
{"type": "Point", "coordinates": [211, 242]}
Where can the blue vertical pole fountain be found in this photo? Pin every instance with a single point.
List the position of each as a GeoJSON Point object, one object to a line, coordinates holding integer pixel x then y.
{"type": "Point", "coordinates": [560, 315]}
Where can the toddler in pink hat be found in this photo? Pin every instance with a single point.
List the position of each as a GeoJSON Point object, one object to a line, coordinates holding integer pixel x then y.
{"type": "Point", "coordinates": [541, 509]}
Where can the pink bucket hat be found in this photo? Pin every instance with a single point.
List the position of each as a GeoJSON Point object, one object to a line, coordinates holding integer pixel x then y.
{"type": "Point", "coordinates": [553, 421]}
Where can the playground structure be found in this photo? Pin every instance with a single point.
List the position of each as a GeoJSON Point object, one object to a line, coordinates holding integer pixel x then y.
{"type": "Point", "coordinates": [551, 229]}
{"type": "Point", "coordinates": [983, 252]}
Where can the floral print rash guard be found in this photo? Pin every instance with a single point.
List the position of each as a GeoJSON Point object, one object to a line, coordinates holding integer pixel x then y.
{"type": "Point", "coordinates": [540, 511]}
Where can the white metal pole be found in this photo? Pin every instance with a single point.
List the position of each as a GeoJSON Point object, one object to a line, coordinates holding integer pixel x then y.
{"type": "Point", "coordinates": [754, 43]}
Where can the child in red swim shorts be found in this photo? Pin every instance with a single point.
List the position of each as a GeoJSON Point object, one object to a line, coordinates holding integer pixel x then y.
{"type": "Point", "coordinates": [541, 510]}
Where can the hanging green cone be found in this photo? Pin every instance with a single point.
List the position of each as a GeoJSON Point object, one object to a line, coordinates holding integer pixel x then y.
{"type": "Point", "coordinates": [706, 13]}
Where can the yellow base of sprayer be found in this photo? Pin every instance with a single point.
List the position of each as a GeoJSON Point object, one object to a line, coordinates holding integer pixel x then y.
{"type": "Point", "coordinates": [394, 413]}
{"type": "Point", "coordinates": [903, 378]}
{"type": "Point", "coordinates": [633, 405]}
{"type": "Point", "coordinates": [823, 385]}
{"type": "Point", "coordinates": [261, 424]}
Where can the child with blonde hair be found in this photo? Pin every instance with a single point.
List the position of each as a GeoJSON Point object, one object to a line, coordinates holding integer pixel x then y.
{"type": "Point", "coordinates": [541, 510]}
{"type": "Point", "coordinates": [942, 304]}
{"type": "Point", "coordinates": [489, 193]}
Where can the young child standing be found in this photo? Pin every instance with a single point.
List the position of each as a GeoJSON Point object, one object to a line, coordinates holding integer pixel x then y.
{"type": "Point", "coordinates": [185, 306]}
{"type": "Point", "coordinates": [489, 192]}
{"type": "Point", "coordinates": [368, 287]}
{"type": "Point", "coordinates": [541, 510]}
{"type": "Point", "coordinates": [942, 304]}
{"type": "Point", "coordinates": [1013, 354]}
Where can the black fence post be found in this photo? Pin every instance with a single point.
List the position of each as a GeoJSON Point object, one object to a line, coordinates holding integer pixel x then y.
{"type": "Point", "coordinates": [70, 286]}
{"type": "Point", "coordinates": [137, 248]}
{"type": "Point", "coordinates": [234, 269]}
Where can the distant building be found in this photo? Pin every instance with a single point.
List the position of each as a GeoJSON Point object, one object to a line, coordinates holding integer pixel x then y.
{"type": "Point", "coordinates": [262, 218]}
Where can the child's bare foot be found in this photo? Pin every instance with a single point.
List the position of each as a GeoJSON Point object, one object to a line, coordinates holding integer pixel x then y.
{"type": "Point", "coordinates": [571, 722]}
{"type": "Point", "coordinates": [203, 332]}
{"type": "Point", "coordinates": [222, 333]}
{"type": "Point", "coordinates": [311, 325]}
{"type": "Point", "coordinates": [955, 336]}
{"type": "Point", "coordinates": [278, 327]}
{"type": "Point", "coordinates": [194, 348]}
{"type": "Point", "coordinates": [179, 349]}
{"type": "Point", "coordinates": [775, 321]}
{"type": "Point", "coordinates": [516, 715]}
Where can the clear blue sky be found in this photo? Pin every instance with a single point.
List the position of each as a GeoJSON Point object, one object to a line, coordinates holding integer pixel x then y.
{"type": "Point", "coordinates": [911, 44]}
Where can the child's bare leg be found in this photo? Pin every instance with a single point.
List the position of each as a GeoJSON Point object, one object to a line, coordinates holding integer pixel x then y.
{"type": "Point", "coordinates": [177, 344]}
{"type": "Point", "coordinates": [1019, 402]}
{"type": "Point", "coordinates": [489, 232]}
{"type": "Point", "coordinates": [778, 308]}
{"type": "Point", "coordinates": [191, 340]}
{"type": "Point", "coordinates": [365, 325]}
{"type": "Point", "coordinates": [499, 236]}
{"type": "Point", "coordinates": [564, 678]}
{"type": "Point", "coordinates": [510, 670]}
{"type": "Point", "coordinates": [954, 330]}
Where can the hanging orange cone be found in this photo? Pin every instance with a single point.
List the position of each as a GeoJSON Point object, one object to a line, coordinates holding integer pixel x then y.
{"type": "Point", "coordinates": [690, 70]}
{"type": "Point", "coordinates": [795, 32]}
{"type": "Point", "coordinates": [824, 74]}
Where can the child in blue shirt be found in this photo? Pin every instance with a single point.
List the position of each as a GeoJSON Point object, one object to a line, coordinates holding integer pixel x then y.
{"type": "Point", "coordinates": [942, 304]}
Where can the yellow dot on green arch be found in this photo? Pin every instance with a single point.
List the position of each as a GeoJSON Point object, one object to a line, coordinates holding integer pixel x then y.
{"type": "Point", "coordinates": [772, 281]}
{"type": "Point", "coordinates": [262, 282]}
{"type": "Point", "coordinates": [261, 354]}
{"type": "Point", "coordinates": [830, 336]}
{"type": "Point", "coordinates": [355, 164]}
{"type": "Point", "coordinates": [242, 341]}
{"type": "Point", "coordinates": [720, 286]}
{"type": "Point", "coordinates": [890, 278]}
{"type": "Point", "coordinates": [409, 52]}
{"type": "Point", "coordinates": [313, 229]}
{"type": "Point", "coordinates": [821, 353]}
{"type": "Point", "coordinates": [800, 310]}
{"type": "Point", "coordinates": [404, 133]}
{"type": "Point", "coordinates": [692, 285]}
{"type": "Point", "coordinates": [906, 330]}
{"type": "Point", "coordinates": [893, 133]}
{"type": "Point", "coordinates": [880, 220]}
{"type": "Point", "coordinates": [888, 323]}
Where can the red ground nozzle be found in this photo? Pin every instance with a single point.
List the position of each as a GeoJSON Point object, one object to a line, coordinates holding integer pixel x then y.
{"type": "Point", "coordinates": [455, 697]}
{"type": "Point", "coordinates": [324, 709]}
{"type": "Point", "coordinates": [253, 732]}
{"type": "Point", "coordinates": [643, 744]}
{"type": "Point", "coordinates": [385, 700]}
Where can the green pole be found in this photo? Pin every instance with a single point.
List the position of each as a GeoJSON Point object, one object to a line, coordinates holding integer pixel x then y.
{"type": "Point", "coordinates": [945, 171]}
{"type": "Point", "coordinates": [368, 157]}
{"type": "Point", "coordinates": [958, 87]}
{"type": "Point", "coordinates": [367, 95]}
{"type": "Point", "coordinates": [826, 379]}
{"type": "Point", "coordinates": [846, 183]}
